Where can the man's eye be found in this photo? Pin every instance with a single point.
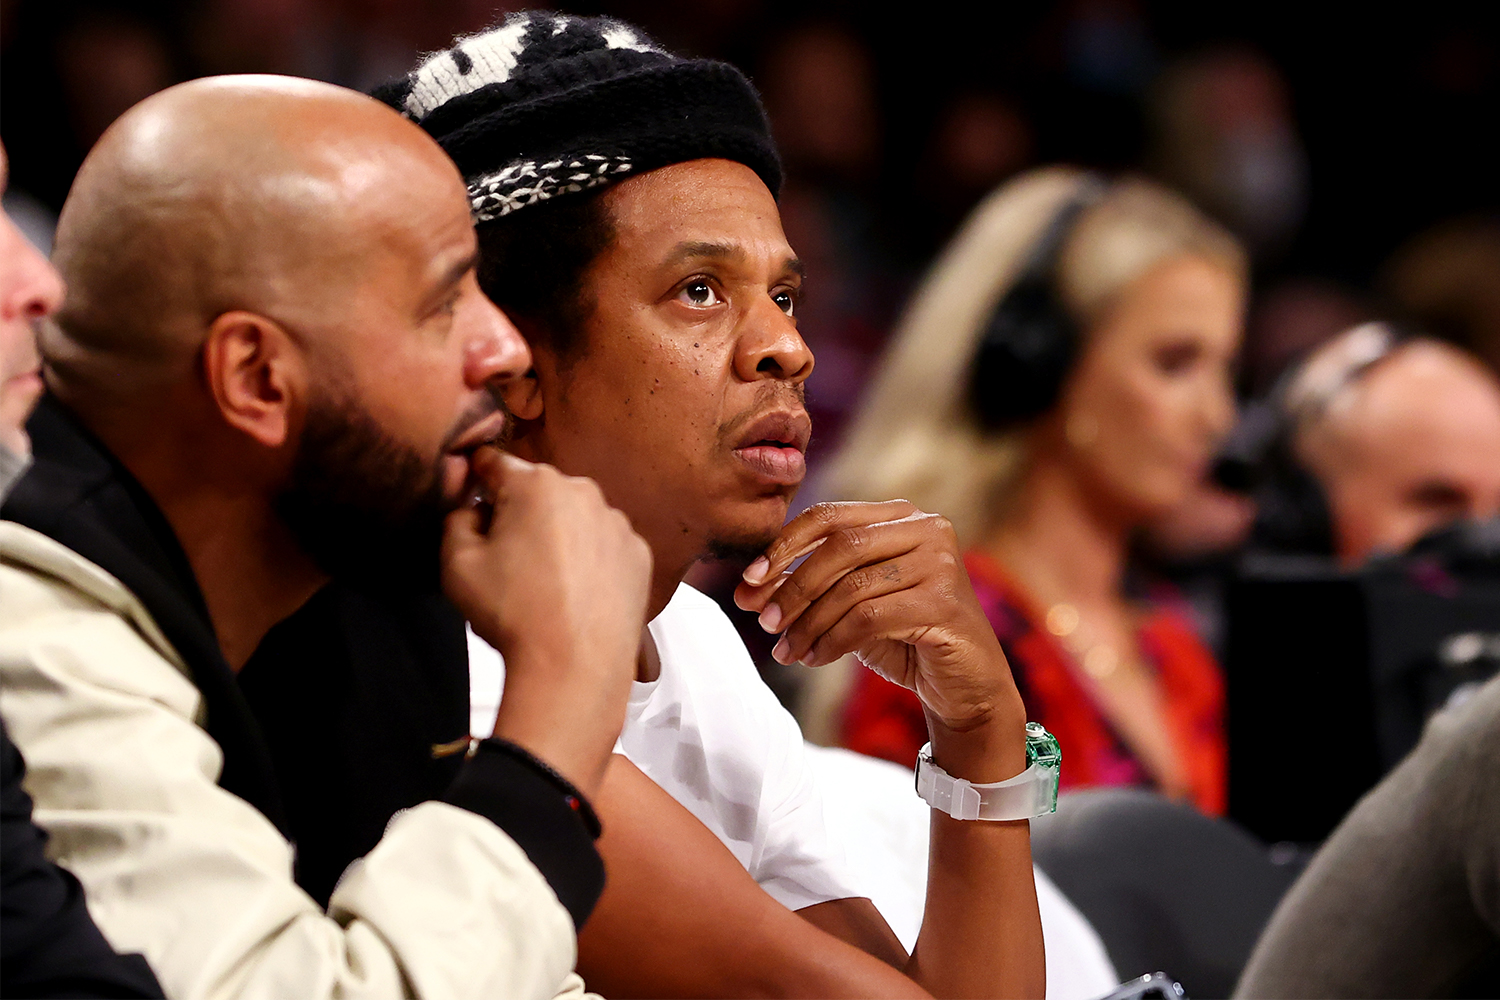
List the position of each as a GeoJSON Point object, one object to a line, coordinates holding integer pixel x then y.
{"type": "Point", "coordinates": [787, 301]}
{"type": "Point", "coordinates": [699, 293]}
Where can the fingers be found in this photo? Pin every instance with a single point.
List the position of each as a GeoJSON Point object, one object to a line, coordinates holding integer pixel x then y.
{"type": "Point", "coordinates": [807, 530]}
{"type": "Point", "coordinates": [462, 528]}
{"type": "Point", "coordinates": [850, 549]}
{"type": "Point", "coordinates": [903, 617]}
{"type": "Point", "coordinates": [491, 467]}
{"type": "Point", "coordinates": [863, 584]}
{"type": "Point", "coordinates": [847, 579]}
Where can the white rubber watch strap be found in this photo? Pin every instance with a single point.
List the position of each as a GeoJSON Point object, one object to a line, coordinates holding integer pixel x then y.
{"type": "Point", "coordinates": [1029, 794]}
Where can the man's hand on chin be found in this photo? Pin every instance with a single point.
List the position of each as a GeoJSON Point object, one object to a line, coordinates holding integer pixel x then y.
{"type": "Point", "coordinates": [556, 580]}
{"type": "Point", "coordinates": [886, 582]}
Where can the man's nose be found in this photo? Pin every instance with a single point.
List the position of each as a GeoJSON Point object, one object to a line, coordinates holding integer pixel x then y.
{"type": "Point", "coordinates": [497, 353]}
{"type": "Point", "coordinates": [770, 347]}
{"type": "Point", "coordinates": [32, 287]}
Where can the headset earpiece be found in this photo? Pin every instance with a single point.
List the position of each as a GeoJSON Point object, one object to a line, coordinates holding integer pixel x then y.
{"type": "Point", "coordinates": [1029, 343]}
{"type": "Point", "coordinates": [1026, 352]}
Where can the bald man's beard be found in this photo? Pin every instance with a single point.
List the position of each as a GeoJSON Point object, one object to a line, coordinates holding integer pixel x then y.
{"type": "Point", "coordinates": [367, 508]}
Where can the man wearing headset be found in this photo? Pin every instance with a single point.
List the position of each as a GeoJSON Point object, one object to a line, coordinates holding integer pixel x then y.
{"type": "Point", "coordinates": [1401, 435]}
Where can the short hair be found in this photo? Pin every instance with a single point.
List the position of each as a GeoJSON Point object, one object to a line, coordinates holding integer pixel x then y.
{"type": "Point", "coordinates": [534, 266]}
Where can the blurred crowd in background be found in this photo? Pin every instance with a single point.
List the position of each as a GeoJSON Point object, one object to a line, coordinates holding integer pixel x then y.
{"type": "Point", "coordinates": [1349, 151]}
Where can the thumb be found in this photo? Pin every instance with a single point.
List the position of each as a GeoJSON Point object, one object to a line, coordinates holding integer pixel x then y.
{"type": "Point", "coordinates": [491, 467]}
{"type": "Point", "coordinates": [463, 528]}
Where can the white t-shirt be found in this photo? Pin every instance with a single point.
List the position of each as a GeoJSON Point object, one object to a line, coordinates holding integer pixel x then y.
{"type": "Point", "coordinates": [711, 734]}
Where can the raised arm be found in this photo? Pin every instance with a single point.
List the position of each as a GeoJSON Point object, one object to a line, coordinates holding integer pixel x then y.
{"type": "Point", "coordinates": [886, 582]}
{"type": "Point", "coordinates": [476, 895]}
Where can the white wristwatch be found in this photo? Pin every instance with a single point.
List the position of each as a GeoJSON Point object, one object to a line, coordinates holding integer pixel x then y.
{"type": "Point", "coordinates": [1031, 793]}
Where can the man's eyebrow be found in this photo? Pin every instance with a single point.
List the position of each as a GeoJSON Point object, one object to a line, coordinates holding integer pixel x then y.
{"type": "Point", "coordinates": [708, 250]}
{"type": "Point", "coordinates": [703, 250]}
{"type": "Point", "coordinates": [455, 273]}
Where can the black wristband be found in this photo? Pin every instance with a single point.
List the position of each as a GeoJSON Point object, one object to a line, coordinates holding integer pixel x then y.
{"type": "Point", "coordinates": [571, 795]}
{"type": "Point", "coordinates": [542, 813]}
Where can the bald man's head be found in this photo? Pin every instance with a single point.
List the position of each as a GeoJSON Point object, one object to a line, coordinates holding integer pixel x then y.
{"type": "Point", "coordinates": [1411, 444]}
{"type": "Point", "coordinates": [258, 193]}
{"type": "Point", "coordinates": [273, 295]}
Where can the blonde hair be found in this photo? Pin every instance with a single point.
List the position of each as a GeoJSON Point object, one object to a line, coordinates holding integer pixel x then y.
{"type": "Point", "coordinates": [916, 435]}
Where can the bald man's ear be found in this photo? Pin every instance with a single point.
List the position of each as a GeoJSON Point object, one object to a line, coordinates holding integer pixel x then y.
{"type": "Point", "coordinates": [256, 373]}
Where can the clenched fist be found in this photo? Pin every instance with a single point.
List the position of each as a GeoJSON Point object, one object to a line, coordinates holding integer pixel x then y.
{"type": "Point", "coordinates": [556, 580]}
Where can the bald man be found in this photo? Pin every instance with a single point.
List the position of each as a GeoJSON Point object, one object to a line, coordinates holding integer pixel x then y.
{"type": "Point", "coordinates": [274, 366]}
{"type": "Point", "coordinates": [1403, 438]}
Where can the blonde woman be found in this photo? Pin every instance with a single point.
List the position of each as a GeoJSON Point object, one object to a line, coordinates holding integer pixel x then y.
{"type": "Point", "coordinates": [1061, 378]}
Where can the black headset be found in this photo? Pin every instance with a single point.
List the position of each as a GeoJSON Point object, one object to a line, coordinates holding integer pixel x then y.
{"type": "Point", "coordinates": [1259, 459]}
{"type": "Point", "coordinates": [1030, 341]}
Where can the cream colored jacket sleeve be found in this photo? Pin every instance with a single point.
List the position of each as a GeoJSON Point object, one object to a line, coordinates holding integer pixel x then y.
{"type": "Point", "coordinates": [196, 879]}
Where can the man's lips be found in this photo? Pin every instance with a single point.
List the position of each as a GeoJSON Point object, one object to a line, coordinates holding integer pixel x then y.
{"type": "Point", "coordinates": [491, 428]}
{"type": "Point", "coordinates": [456, 469]}
{"type": "Point", "coordinates": [773, 446]}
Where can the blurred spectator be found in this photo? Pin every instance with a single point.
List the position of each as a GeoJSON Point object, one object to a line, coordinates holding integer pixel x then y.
{"type": "Point", "coordinates": [354, 43]}
{"type": "Point", "coordinates": [982, 138]}
{"type": "Point", "coordinates": [1119, 309]}
{"type": "Point", "coordinates": [1402, 437]}
{"type": "Point", "coordinates": [727, 29]}
{"type": "Point", "coordinates": [1188, 553]}
{"type": "Point", "coordinates": [1209, 521]}
{"type": "Point", "coordinates": [33, 219]}
{"type": "Point", "coordinates": [1224, 133]}
{"type": "Point", "coordinates": [79, 67]}
{"type": "Point", "coordinates": [1447, 280]}
{"type": "Point", "coordinates": [109, 61]}
{"type": "Point", "coordinates": [819, 87]}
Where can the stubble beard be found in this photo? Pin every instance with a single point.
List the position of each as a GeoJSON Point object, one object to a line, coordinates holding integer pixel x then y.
{"type": "Point", "coordinates": [367, 508]}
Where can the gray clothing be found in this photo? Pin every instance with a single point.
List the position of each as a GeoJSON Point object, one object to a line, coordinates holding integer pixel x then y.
{"type": "Point", "coordinates": [1404, 898]}
{"type": "Point", "coordinates": [12, 468]}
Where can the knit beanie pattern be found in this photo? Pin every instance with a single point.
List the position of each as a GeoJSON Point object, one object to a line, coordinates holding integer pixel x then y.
{"type": "Point", "coordinates": [546, 105]}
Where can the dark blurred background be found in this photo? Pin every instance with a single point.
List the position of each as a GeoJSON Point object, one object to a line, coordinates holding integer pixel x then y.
{"type": "Point", "coordinates": [1352, 149]}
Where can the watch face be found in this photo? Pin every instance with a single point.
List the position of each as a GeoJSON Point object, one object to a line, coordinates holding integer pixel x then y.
{"type": "Point", "coordinates": [1041, 746]}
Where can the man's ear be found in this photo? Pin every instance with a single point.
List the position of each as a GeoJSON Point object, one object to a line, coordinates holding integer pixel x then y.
{"type": "Point", "coordinates": [256, 374]}
{"type": "Point", "coordinates": [523, 396]}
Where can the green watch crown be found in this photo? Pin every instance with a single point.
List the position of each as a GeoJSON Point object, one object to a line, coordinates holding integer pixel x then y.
{"type": "Point", "coordinates": [1042, 748]}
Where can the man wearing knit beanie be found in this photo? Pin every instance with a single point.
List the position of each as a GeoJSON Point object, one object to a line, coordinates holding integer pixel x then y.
{"type": "Point", "coordinates": [625, 204]}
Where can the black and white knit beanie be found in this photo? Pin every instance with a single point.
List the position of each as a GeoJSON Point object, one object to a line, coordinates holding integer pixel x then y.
{"type": "Point", "coordinates": [548, 104]}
